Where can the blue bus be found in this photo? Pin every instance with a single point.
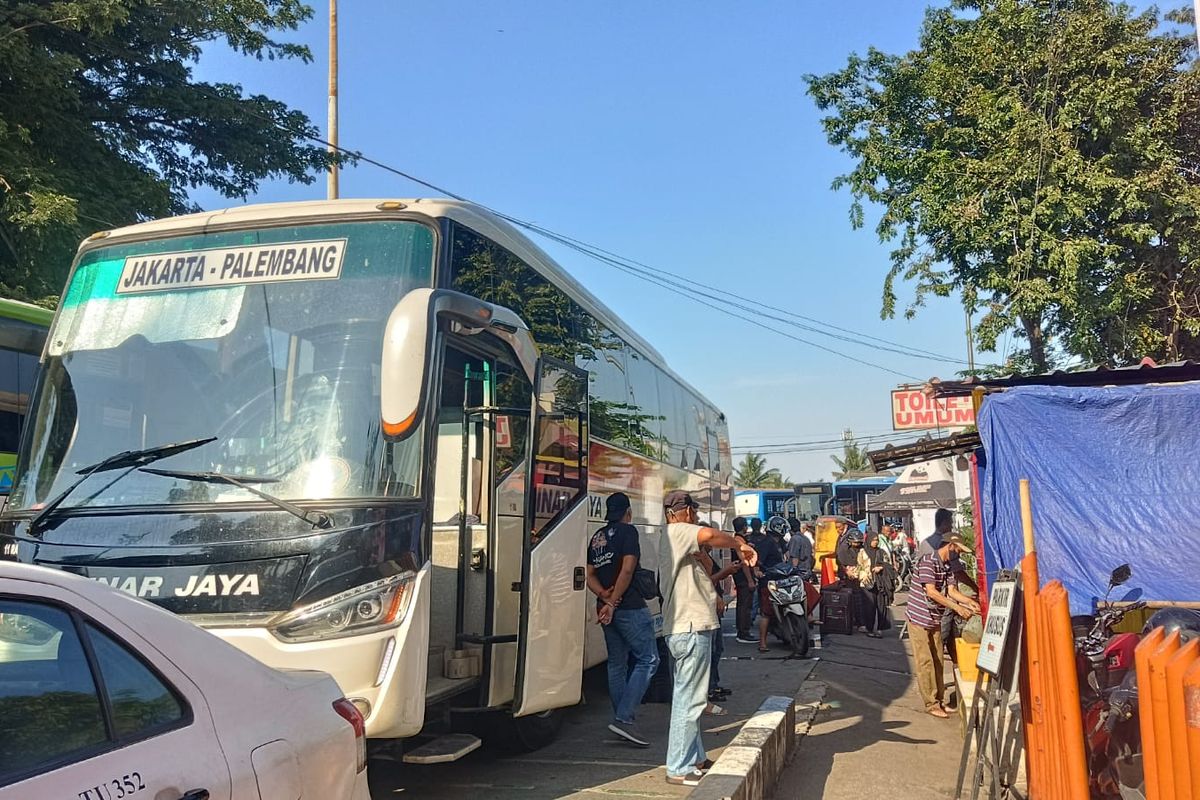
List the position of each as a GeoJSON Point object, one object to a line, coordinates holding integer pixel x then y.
{"type": "Point", "coordinates": [850, 496]}
{"type": "Point", "coordinates": [812, 499]}
{"type": "Point", "coordinates": [764, 503]}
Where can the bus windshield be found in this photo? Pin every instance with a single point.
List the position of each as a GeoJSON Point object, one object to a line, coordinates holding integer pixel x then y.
{"type": "Point", "coordinates": [270, 340]}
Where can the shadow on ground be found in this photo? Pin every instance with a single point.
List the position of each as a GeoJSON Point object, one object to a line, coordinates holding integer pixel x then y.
{"type": "Point", "coordinates": [873, 736]}
{"type": "Point", "coordinates": [586, 761]}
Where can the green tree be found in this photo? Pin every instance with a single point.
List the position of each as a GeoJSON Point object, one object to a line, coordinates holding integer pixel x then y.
{"type": "Point", "coordinates": [102, 123]}
{"type": "Point", "coordinates": [1042, 158]}
{"type": "Point", "coordinates": [853, 460]}
{"type": "Point", "coordinates": [753, 473]}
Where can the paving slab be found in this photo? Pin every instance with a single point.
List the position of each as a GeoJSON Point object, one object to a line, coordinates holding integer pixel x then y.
{"type": "Point", "coordinates": [871, 736]}
{"type": "Point", "coordinates": [587, 761]}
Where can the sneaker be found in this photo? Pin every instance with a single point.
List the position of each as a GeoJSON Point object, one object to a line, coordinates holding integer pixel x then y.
{"type": "Point", "coordinates": [747, 640]}
{"type": "Point", "coordinates": [629, 732]}
{"type": "Point", "coordinates": [690, 779]}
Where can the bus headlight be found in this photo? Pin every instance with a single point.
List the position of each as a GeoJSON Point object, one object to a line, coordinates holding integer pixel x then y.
{"type": "Point", "coordinates": [373, 606]}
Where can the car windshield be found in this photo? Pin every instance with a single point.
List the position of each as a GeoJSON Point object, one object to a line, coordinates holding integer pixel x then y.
{"type": "Point", "coordinates": [271, 342]}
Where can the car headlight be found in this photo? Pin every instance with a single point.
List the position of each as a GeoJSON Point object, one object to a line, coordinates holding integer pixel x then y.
{"type": "Point", "coordinates": [363, 609]}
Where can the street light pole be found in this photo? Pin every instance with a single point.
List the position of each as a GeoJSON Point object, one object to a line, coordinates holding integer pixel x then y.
{"type": "Point", "coordinates": [332, 189]}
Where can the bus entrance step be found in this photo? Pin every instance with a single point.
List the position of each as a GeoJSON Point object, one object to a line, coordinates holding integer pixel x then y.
{"type": "Point", "coordinates": [451, 747]}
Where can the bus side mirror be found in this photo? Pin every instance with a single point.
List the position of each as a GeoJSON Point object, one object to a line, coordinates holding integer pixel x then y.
{"type": "Point", "coordinates": [409, 342]}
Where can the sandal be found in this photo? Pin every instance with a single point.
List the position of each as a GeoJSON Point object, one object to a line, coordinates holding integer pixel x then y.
{"type": "Point", "coordinates": [715, 710]}
{"type": "Point", "coordinates": [762, 649]}
{"type": "Point", "coordinates": [692, 778]}
{"type": "Point", "coordinates": [939, 712]}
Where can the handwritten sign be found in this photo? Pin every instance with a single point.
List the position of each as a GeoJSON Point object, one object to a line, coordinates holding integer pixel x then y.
{"type": "Point", "coordinates": [996, 627]}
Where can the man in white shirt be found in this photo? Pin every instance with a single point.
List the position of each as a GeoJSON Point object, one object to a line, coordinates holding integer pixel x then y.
{"type": "Point", "coordinates": [689, 617]}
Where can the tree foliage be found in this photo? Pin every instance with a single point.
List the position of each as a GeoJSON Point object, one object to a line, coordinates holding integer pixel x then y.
{"type": "Point", "coordinates": [1042, 157]}
{"type": "Point", "coordinates": [753, 473]}
{"type": "Point", "coordinates": [853, 460]}
{"type": "Point", "coordinates": [102, 123]}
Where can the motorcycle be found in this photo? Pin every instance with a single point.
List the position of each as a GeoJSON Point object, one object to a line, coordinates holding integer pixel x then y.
{"type": "Point", "coordinates": [1120, 775]}
{"type": "Point", "coordinates": [793, 597]}
{"type": "Point", "coordinates": [1108, 690]}
{"type": "Point", "coordinates": [1103, 657]}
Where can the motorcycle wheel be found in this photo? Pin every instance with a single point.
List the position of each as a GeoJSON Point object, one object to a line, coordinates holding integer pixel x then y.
{"type": "Point", "coordinates": [797, 630]}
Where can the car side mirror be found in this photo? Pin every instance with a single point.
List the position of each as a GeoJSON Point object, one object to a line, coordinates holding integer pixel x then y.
{"type": "Point", "coordinates": [1120, 575]}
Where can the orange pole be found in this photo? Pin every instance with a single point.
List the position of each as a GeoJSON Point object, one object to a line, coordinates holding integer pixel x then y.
{"type": "Point", "coordinates": [1031, 691]}
{"type": "Point", "coordinates": [1191, 705]}
{"type": "Point", "coordinates": [1177, 719]}
{"type": "Point", "coordinates": [1160, 710]}
{"type": "Point", "coordinates": [1030, 694]}
{"type": "Point", "coordinates": [1074, 761]}
{"type": "Point", "coordinates": [1047, 701]}
{"type": "Point", "coordinates": [1149, 643]}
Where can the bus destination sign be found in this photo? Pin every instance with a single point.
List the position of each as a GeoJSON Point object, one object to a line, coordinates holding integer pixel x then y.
{"type": "Point", "coordinates": [233, 266]}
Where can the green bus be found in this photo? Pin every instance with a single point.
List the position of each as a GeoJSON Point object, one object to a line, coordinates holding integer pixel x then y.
{"type": "Point", "coordinates": [22, 334]}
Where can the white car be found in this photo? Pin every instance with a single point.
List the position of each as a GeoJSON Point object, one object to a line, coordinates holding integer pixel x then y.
{"type": "Point", "coordinates": [103, 697]}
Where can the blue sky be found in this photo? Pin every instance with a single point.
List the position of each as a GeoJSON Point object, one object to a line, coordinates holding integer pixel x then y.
{"type": "Point", "coordinates": [676, 133]}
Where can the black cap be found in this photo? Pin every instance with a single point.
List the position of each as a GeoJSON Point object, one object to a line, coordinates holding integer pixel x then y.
{"type": "Point", "coordinates": [678, 500]}
{"type": "Point", "coordinates": [616, 504]}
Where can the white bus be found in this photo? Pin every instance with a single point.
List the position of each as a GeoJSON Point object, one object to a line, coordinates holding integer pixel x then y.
{"type": "Point", "coordinates": [366, 437]}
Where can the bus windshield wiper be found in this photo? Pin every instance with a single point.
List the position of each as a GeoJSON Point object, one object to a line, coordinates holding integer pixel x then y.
{"type": "Point", "coordinates": [128, 461]}
{"type": "Point", "coordinates": [318, 519]}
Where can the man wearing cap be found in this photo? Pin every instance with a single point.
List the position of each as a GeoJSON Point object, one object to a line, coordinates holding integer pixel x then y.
{"type": "Point", "coordinates": [689, 617]}
{"type": "Point", "coordinates": [613, 556]}
{"type": "Point", "coordinates": [943, 526]}
{"type": "Point", "coordinates": [934, 590]}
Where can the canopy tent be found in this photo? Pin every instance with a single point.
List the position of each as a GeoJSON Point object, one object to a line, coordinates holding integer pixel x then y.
{"type": "Point", "coordinates": [1113, 480]}
{"type": "Point", "coordinates": [929, 484]}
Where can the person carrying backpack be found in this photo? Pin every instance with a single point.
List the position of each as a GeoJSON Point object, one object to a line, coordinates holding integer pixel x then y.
{"type": "Point", "coordinates": [613, 556]}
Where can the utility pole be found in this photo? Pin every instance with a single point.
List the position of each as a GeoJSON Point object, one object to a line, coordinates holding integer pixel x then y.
{"type": "Point", "coordinates": [332, 191]}
{"type": "Point", "coordinates": [971, 333]}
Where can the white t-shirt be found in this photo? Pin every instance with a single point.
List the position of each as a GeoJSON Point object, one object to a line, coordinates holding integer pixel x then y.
{"type": "Point", "coordinates": [690, 601]}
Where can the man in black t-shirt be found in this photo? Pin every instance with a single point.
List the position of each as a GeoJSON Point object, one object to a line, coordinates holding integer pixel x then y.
{"type": "Point", "coordinates": [743, 582]}
{"type": "Point", "coordinates": [613, 555]}
{"type": "Point", "coordinates": [769, 555]}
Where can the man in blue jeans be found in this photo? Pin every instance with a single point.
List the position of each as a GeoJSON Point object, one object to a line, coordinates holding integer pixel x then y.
{"type": "Point", "coordinates": [689, 617]}
{"type": "Point", "coordinates": [613, 555]}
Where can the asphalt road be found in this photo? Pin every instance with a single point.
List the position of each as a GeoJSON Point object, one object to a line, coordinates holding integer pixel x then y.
{"type": "Point", "coordinates": [586, 761]}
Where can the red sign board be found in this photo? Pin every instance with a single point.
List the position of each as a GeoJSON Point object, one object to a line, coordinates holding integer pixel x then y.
{"type": "Point", "coordinates": [913, 410]}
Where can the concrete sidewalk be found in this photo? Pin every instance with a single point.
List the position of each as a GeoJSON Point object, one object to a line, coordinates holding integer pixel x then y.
{"type": "Point", "coordinates": [872, 737]}
{"type": "Point", "coordinates": [587, 762]}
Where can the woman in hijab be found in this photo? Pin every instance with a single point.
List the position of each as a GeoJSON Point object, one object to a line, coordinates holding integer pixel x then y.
{"type": "Point", "coordinates": [873, 577]}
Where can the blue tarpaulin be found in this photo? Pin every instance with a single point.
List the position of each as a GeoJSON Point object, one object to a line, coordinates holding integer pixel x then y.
{"type": "Point", "coordinates": [1114, 477]}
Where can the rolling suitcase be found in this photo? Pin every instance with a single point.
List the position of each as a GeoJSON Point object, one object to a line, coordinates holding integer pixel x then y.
{"type": "Point", "coordinates": [837, 610]}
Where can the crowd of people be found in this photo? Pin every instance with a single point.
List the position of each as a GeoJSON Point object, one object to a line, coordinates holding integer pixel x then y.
{"type": "Point", "coordinates": [688, 588]}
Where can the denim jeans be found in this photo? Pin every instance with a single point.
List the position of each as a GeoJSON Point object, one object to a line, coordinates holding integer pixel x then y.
{"type": "Point", "coordinates": [718, 648]}
{"type": "Point", "coordinates": [692, 653]}
{"type": "Point", "coordinates": [631, 632]}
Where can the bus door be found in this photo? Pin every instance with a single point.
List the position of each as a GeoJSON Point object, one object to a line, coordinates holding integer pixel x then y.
{"type": "Point", "coordinates": [479, 523]}
{"type": "Point", "coordinates": [554, 578]}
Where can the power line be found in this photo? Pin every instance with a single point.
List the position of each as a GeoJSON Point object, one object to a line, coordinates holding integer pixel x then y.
{"type": "Point", "coordinates": [855, 338]}
{"type": "Point", "coordinates": [635, 268]}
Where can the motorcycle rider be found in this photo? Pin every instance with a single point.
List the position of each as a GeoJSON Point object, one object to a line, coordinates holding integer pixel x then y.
{"type": "Point", "coordinates": [769, 555]}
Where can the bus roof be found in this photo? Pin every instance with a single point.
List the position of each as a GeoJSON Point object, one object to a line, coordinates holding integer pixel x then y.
{"type": "Point", "coordinates": [25, 312]}
{"type": "Point", "coordinates": [471, 215]}
{"type": "Point", "coordinates": [875, 480]}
